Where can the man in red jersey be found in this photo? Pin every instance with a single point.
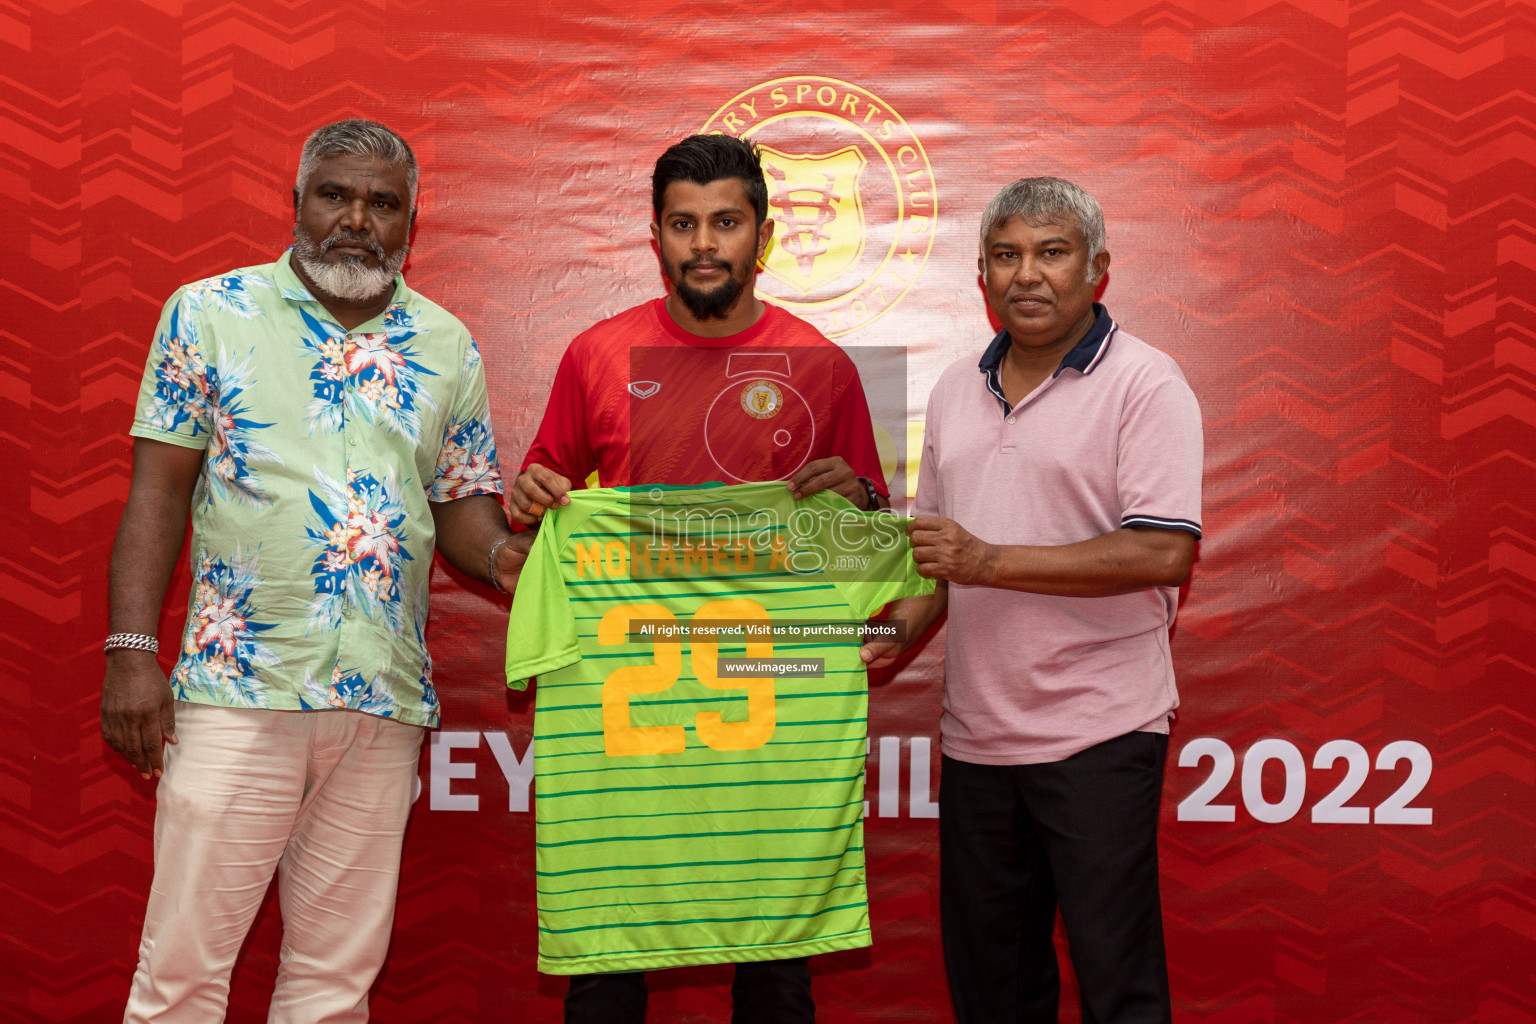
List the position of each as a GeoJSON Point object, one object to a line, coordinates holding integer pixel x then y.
{"type": "Point", "coordinates": [707, 384]}
{"type": "Point", "coordinates": [710, 382]}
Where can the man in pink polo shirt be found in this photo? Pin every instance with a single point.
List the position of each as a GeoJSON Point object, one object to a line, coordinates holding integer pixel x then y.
{"type": "Point", "coordinates": [1058, 504]}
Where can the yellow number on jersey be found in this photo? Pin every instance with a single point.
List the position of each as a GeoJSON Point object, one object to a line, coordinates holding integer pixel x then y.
{"type": "Point", "coordinates": [762, 716]}
{"type": "Point", "coordinates": [622, 739]}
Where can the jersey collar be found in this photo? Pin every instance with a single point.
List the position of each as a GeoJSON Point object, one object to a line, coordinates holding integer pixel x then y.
{"type": "Point", "coordinates": [659, 306]}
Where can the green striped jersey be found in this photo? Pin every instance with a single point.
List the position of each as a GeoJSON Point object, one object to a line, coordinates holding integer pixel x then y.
{"type": "Point", "coordinates": [685, 816]}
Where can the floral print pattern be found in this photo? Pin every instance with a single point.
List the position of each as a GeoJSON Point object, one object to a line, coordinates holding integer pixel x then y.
{"type": "Point", "coordinates": [222, 647]}
{"type": "Point", "coordinates": [429, 705]}
{"type": "Point", "coordinates": [374, 376]}
{"type": "Point", "coordinates": [358, 529]}
{"type": "Point", "coordinates": [321, 451]}
{"type": "Point", "coordinates": [348, 690]}
{"type": "Point", "coordinates": [466, 463]}
{"type": "Point", "coordinates": [230, 293]}
{"type": "Point", "coordinates": [208, 399]}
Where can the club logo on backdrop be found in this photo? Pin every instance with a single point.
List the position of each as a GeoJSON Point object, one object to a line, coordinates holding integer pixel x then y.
{"type": "Point", "coordinates": [851, 193]}
{"type": "Point", "coordinates": [820, 229]}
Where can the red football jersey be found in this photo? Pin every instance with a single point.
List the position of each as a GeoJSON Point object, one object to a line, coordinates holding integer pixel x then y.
{"type": "Point", "coordinates": [642, 401]}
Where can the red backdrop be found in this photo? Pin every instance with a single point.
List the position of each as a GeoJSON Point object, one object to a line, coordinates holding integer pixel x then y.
{"type": "Point", "coordinates": [1321, 209]}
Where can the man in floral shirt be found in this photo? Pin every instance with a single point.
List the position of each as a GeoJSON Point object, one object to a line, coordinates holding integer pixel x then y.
{"type": "Point", "coordinates": [322, 424]}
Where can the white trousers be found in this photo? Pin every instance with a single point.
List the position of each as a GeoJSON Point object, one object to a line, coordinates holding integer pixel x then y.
{"type": "Point", "coordinates": [319, 796]}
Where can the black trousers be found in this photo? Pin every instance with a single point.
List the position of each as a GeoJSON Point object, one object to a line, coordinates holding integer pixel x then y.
{"type": "Point", "coordinates": [764, 992]}
{"type": "Point", "coordinates": [1016, 842]}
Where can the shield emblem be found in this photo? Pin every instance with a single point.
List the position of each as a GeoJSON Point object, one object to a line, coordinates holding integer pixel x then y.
{"type": "Point", "coordinates": [814, 197]}
{"type": "Point", "coordinates": [762, 399]}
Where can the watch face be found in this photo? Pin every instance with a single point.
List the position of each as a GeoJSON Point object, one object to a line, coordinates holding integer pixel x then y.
{"type": "Point", "coordinates": [759, 428]}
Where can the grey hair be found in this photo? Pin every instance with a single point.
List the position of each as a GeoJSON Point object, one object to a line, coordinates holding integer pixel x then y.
{"type": "Point", "coordinates": [358, 137]}
{"type": "Point", "coordinates": [1039, 200]}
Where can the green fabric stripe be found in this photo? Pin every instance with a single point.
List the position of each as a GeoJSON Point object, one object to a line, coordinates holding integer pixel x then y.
{"type": "Point", "coordinates": [782, 725]}
{"type": "Point", "coordinates": [681, 766]}
{"type": "Point", "coordinates": [691, 813]}
{"type": "Point", "coordinates": [539, 758]}
{"type": "Point", "coordinates": [775, 609]}
{"type": "Point", "coordinates": [652, 577]}
{"type": "Point", "coordinates": [652, 596]}
{"type": "Point", "coordinates": [696, 864]}
{"type": "Point", "coordinates": [699, 835]}
{"type": "Point", "coordinates": [725, 697]}
{"type": "Point", "coordinates": [712, 899]}
{"type": "Point", "coordinates": [726, 650]}
{"type": "Point", "coordinates": [702, 920]}
{"type": "Point", "coordinates": [859, 866]}
{"type": "Point", "coordinates": [649, 950]}
{"type": "Point", "coordinates": [693, 679]}
{"type": "Point", "coordinates": [700, 785]}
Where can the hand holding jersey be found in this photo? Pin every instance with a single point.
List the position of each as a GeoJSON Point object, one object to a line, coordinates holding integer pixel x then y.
{"type": "Point", "coordinates": [537, 490]}
{"type": "Point", "coordinates": [1059, 496]}
{"type": "Point", "coordinates": [540, 489]}
{"type": "Point", "coordinates": [708, 384]}
{"type": "Point", "coordinates": [685, 816]}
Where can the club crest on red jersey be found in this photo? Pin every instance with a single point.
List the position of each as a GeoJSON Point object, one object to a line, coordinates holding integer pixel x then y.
{"type": "Point", "coordinates": [762, 399]}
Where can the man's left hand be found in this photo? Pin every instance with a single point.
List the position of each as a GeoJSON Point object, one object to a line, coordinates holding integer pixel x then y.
{"type": "Point", "coordinates": [832, 474]}
{"type": "Point", "coordinates": [945, 550]}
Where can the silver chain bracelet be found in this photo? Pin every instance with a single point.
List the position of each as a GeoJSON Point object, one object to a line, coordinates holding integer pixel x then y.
{"type": "Point", "coordinates": [132, 642]}
{"type": "Point", "coordinates": [490, 564]}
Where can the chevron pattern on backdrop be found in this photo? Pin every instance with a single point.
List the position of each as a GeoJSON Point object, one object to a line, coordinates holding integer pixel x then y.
{"type": "Point", "coordinates": [1321, 209]}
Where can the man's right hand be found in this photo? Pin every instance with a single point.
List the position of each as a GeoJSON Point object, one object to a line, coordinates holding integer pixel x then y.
{"type": "Point", "coordinates": [537, 490]}
{"type": "Point", "coordinates": [914, 615]}
{"type": "Point", "coordinates": [880, 653]}
{"type": "Point", "coordinates": [138, 714]}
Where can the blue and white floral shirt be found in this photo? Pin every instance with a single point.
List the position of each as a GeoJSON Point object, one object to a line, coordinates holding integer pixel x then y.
{"type": "Point", "coordinates": [311, 533]}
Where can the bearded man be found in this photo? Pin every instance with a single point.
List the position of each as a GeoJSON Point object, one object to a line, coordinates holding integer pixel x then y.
{"type": "Point", "coordinates": [708, 383]}
{"type": "Point", "coordinates": [322, 424]}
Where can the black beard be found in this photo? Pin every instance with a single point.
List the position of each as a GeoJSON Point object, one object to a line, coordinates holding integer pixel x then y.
{"type": "Point", "coordinates": [710, 305]}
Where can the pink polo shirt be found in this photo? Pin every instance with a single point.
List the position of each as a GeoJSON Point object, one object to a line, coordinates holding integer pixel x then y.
{"type": "Point", "coordinates": [1112, 439]}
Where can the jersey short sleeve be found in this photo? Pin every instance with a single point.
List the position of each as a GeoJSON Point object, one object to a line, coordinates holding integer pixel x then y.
{"type": "Point", "coordinates": [890, 572]}
{"type": "Point", "coordinates": [541, 635]}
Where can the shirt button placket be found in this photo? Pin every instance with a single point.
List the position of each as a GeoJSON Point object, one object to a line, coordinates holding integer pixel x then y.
{"type": "Point", "coordinates": [343, 627]}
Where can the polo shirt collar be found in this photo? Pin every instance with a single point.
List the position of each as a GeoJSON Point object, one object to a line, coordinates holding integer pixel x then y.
{"type": "Point", "coordinates": [1083, 357]}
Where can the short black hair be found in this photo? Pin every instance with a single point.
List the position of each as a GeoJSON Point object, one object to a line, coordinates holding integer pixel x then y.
{"type": "Point", "coordinates": [702, 159]}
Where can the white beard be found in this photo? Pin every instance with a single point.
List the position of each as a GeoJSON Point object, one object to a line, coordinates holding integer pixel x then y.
{"type": "Point", "coordinates": [351, 280]}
